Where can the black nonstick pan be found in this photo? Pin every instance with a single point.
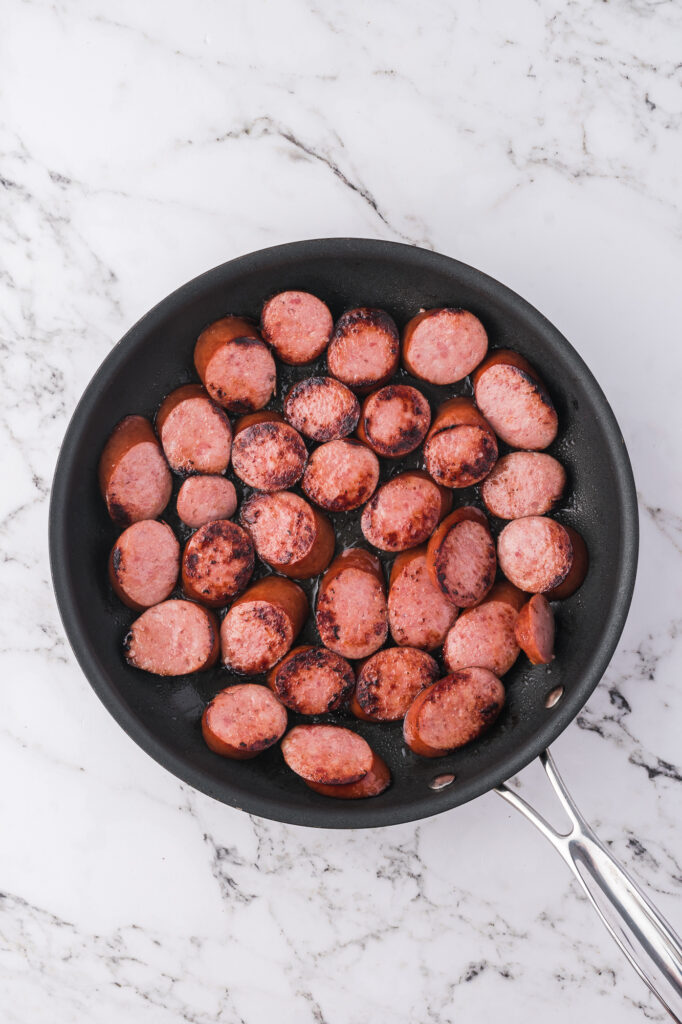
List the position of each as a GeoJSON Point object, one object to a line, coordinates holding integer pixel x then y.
{"type": "Point", "coordinates": [163, 716]}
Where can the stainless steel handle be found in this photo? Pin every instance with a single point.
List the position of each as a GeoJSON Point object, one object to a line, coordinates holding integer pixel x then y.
{"type": "Point", "coordinates": [646, 938]}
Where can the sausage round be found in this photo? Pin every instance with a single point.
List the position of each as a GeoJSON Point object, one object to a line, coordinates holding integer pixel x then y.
{"type": "Point", "coordinates": [242, 721]}
{"type": "Point", "coordinates": [267, 453]}
{"type": "Point", "coordinates": [217, 562]}
{"type": "Point", "coordinates": [262, 624]}
{"type": "Point", "coordinates": [524, 484]}
{"type": "Point", "coordinates": [341, 475]}
{"type": "Point", "coordinates": [389, 681]}
{"type": "Point", "coordinates": [452, 712]}
{"type": "Point", "coordinates": [578, 570]}
{"type": "Point", "coordinates": [535, 630]}
{"type": "Point", "coordinates": [461, 557]}
{"type": "Point", "coordinates": [443, 345]}
{"type": "Point", "coordinates": [514, 401]}
{"type": "Point", "coordinates": [419, 614]}
{"type": "Point", "coordinates": [364, 349]}
{"type": "Point", "coordinates": [133, 475]}
{"type": "Point", "coordinates": [144, 564]}
{"type": "Point", "coordinates": [404, 511]}
{"type": "Point", "coordinates": [484, 637]}
{"type": "Point", "coordinates": [298, 325]}
{"type": "Point", "coordinates": [461, 447]}
{"type": "Point", "coordinates": [235, 366]}
{"type": "Point", "coordinates": [535, 553]}
{"type": "Point", "coordinates": [204, 498]}
{"type": "Point", "coordinates": [312, 680]}
{"type": "Point", "coordinates": [173, 638]}
{"type": "Point", "coordinates": [377, 779]}
{"type": "Point", "coordinates": [351, 613]}
{"type": "Point", "coordinates": [394, 420]}
{"type": "Point", "coordinates": [327, 754]}
{"type": "Point", "coordinates": [322, 408]}
{"type": "Point", "coordinates": [195, 433]}
{"type": "Point", "coordinates": [288, 534]}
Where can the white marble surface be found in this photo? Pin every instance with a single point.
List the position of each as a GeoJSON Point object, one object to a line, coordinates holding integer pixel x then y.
{"type": "Point", "coordinates": [141, 143]}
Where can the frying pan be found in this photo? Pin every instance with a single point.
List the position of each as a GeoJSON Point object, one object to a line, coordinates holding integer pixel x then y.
{"type": "Point", "coordinates": [163, 716]}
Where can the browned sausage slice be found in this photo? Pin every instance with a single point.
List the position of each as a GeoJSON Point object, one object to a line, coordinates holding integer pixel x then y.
{"type": "Point", "coordinates": [262, 624]}
{"type": "Point", "coordinates": [235, 366]}
{"type": "Point", "coordinates": [364, 349]}
{"type": "Point", "coordinates": [351, 606]}
{"type": "Point", "coordinates": [404, 512]}
{"type": "Point", "coordinates": [389, 681]}
{"type": "Point", "coordinates": [312, 680]}
{"type": "Point", "coordinates": [133, 476]}
{"type": "Point", "coordinates": [204, 498]}
{"type": "Point", "coordinates": [394, 420]}
{"type": "Point", "coordinates": [322, 408]}
{"type": "Point", "coordinates": [461, 557]}
{"type": "Point", "coordinates": [341, 475]}
{"type": "Point", "coordinates": [298, 325]}
{"type": "Point", "coordinates": [461, 447]}
{"type": "Point", "coordinates": [144, 564]}
{"type": "Point", "coordinates": [328, 754]}
{"type": "Point", "coordinates": [267, 453]}
{"type": "Point", "coordinates": [524, 484]}
{"type": "Point", "coordinates": [377, 779]}
{"type": "Point", "coordinates": [535, 553]}
{"type": "Point", "coordinates": [443, 345]}
{"type": "Point", "coordinates": [288, 533]}
{"type": "Point", "coordinates": [195, 433]}
{"type": "Point", "coordinates": [419, 614]}
{"type": "Point", "coordinates": [242, 721]}
{"type": "Point", "coordinates": [483, 637]}
{"type": "Point", "coordinates": [578, 570]}
{"type": "Point", "coordinates": [452, 712]}
{"type": "Point", "coordinates": [173, 639]}
{"type": "Point", "coordinates": [535, 630]}
{"type": "Point", "coordinates": [217, 562]}
{"type": "Point", "coordinates": [514, 401]}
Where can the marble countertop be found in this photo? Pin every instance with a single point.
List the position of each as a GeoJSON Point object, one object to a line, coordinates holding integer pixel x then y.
{"type": "Point", "coordinates": [141, 144]}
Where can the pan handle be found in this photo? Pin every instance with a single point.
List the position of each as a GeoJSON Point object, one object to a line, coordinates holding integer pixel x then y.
{"type": "Point", "coordinates": [647, 940]}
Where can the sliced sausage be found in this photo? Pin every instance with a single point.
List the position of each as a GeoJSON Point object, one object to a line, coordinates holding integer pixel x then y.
{"type": "Point", "coordinates": [404, 512]}
{"type": "Point", "coordinates": [298, 325]}
{"type": "Point", "coordinates": [144, 564]}
{"type": "Point", "coordinates": [364, 349]}
{"type": "Point", "coordinates": [235, 366]}
{"type": "Point", "coordinates": [288, 534]}
{"type": "Point", "coordinates": [484, 636]}
{"type": "Point", "coordinates": [461, 447]}
{"type": "Point", "coordinates": [195, 433]}
{"type": "Point", "coordinates": [322, 408]}
{"type": "Point", "coordinates": [328, 754]}
{"type": "Point", "coordinates": [312, 680]}
{"type": "Point", "coordinates": [341, 475]}
{"type": "Point", "coordinates": [419, 614]}
{"type": "Point", "coordinates": [351, 614]}
{"type": "Point", "coordinates": [173, 639]}
{"type": "Point", "coordinates": [514, 401]}
{"type": "Point", "coordinates": [452, 712]}
{"type": "Point", "coordinates": [535, 630]}
{"type": "Point", "coordinates": [204, 498]}
{"type": "Point", "coordinates": [578, 570]}
{"type": "Point", "coordinates": [535, 553]}
{"type": "Point", "coordinates": [524, 484]}
{"type": "Point", "coordinates": [443, 345]}
{"type": "Point", "coordinates": [377, 779]}
{"type": "Point", "coordinates": [262, 624]}
{"type": "Point", "coordinates": [267, 453]}
{"type": "Point", "coordinates": [133, 475]}
{"type": "Point", "coordinates": [217, 562]}
{"type": "Point", "coordinates": [389, 681]}
{"type": "Point", "coordinates": [461, 557]}
{"type": "Point", "coordinates": [394, 420]}
{"type": "Point", "coordinates": [242, 721]}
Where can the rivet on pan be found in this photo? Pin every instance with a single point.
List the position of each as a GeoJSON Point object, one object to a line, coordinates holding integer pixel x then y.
{"type": "Point", "coordinates": [441, 781]}
{"type": "Point", "coordinates": [554, 696]}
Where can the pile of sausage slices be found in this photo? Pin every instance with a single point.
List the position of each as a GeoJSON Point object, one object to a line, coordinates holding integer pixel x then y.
{"type": "Point", "coordinates": [328, 443]}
